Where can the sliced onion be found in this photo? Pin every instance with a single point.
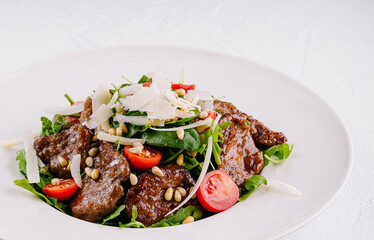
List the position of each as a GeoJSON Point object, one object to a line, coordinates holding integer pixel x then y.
{"type": "Point", "coordinates": [136, 120]}
{"type": "Point", "coordinates": [282, 188]}
{"type": "Point", "coordinates": [123, 140]}
{"type": "Point", "coordinates": [76, 108]}
{"type": "Point", "coordinates": [32, 168]}
{"type": "Point", "coordinates": [201, 177]}
{"type": "Point", "coordinates": [192, 125]}
{"type": "Point", "coordinates": [75, 169]}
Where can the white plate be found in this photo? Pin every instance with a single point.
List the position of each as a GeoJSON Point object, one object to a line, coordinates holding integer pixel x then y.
{"type": "Point", "coordinates": [319, 164]}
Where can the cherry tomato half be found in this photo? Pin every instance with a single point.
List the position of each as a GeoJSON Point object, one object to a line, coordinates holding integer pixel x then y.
{"type": "Point", "coordinates": [146, 84]}
{"type": "Point", "coordinates": [183, 86]}
{"type": "Point", "coordinates": [63, 191]}
{"type": "Point", "coordinates": [217, 191]}
{"type": "Point", "coordinates": [147, 158]}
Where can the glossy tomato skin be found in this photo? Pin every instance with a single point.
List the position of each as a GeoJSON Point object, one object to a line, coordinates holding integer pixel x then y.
{"type": "Point", "coordinates": [63, 191]}
{"type": "Point", "coordinates": [146, 84]}
{"type": "Point", "coordinates": [144, 160]}
{"type": "Point", "coordinates": [186, 87]}
{"type": "Point", "coordinates": [217, 191]}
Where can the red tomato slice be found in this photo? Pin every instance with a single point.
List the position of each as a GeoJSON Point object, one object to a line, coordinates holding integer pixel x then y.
{"type": "Point", "coordinates": [65, 190]}
{"type": "Point", "coordinates": [147, 158]}
{"type": "Point", "coordinates": [146, 84]}
{"type": "Point", "coordinates": [186, 87]}
{"type": "Point", "coordinates": [217, 191]}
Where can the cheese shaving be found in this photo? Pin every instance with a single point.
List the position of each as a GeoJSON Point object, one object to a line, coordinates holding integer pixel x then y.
{"type": "Point", "coordinates": [201, 177]}
{"type": "Point", "coordinates": [103, 113]}
{"type": "Point", "coordinates": [123, 140]}
{"type": "Point", "coordinates": [282, 188]}
{"type": "Point", "coordinates": [101, 96]}
{"type": "Point", "coordinates": [193, 125]}
{"type": "Point", "coordinates": [32, 168]}
{"type": "Point", "coordinates": [14, 144]}
{"type": "Point", "coordinates": [136, 120]}
{"type": "Point", "coordinates": [132, 89]}
{"type": "Point", "coordinates": [75, 169]}
{"type": "Point", "coordinates": [76, 108]}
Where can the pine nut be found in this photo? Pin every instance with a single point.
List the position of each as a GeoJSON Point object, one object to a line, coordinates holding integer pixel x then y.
{"type": "Point", "coordinates": [55, 182]}
{"type": "Point", "coordinates": [180, 159]}
{"type": "Point", "coordinates": [193, 154]}
{"type": "Point", "coordinates": [169, 194]}
{"type": "Point", "coordinates": [182, 191]}
{"type": "Point", "coordinates": [93, 151]}
{"type": "Point", "coordinates": [203, 114]}
{"type": "Point", "coordinates": [88, 171]}
{"type": "Point", "coordinates": [177, 196]}
{"type": "Point", "coordinates": [69, 165]}
{"type": "Point", "coordinates": [176, 95]}
{"type": "Point", "coordinates": [95, 174]}
{"type": "Point", "coordinates": [180, 134]}
{"type": "Point", "coordinates": [188, 219]}
{"type": "Point", "coordinates": [124, 128]}
{"type": "Point", "coordinates": [175, 119]}
{"type": "Point", "coordinates": [157, 171]}
{"type": "Point", "coordinates": [63, 162]}
{"type": "Point", "coordinates": [112, 131]}
{"type": "Point", "coordinates": [133, 179]}
{"type": "Point", "coordinates": [119, 131]}
{"type": "Point", "coordinates": [94, 138]}
{"type": "Point", "coordinates": [181, 92]}
{"type": "Point", "coordinates": [201, 128]}
{"type": "Point", "coordinates": [202, 136]}
{"type": "Point", "coordinates": [193, 196]}
{"type": "Point", "coordinates": [89, 161]}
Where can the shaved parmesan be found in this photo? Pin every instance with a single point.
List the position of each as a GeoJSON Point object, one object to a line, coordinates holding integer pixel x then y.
{"type": "Point", "coordinates": [159, 109]}
{"type": "Point", "coordinates": [32, 168]}
{"type": "Point", "coordinates": [203, 95]}
{"type": "Point", "coordinates": [201, 177]}
{"type": "Point", "coordinates": [282, 188]}
{"type": "Point", "coordinates": [158, 123]}
{"type": "Point", "coordinates": [13, 144]}
{"type": "Point", "coordinates": [101, 96]}
{"type": "Point", "coordinates": [76, 108]}
{"type": "Point", "coordinates": [139, 99]}
{"type": "Point", "coordinates": [136, 120]}
{"type": "Point", "coordinates": [75, 169]}
{"type": "Point", "coordinates": [103, 113]}
{"type": "Point", "coordinates": [193, 125]}
{"type": "Point", "coordinates": [124, 141]}
{"type": "Point", "coordinates": [132, 89]}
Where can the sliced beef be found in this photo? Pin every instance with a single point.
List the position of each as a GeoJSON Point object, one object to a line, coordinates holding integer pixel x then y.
{"type": "Point", "coordinates": [73, 139]}
{"type": "Point", "coordinates": [98, 198]}
{"type": "Point", "coordinates": [240, 157]}
{"type": "Point", "coordinates": [148, 194]}
{"type": "Point", "coordinates": [262, 135]}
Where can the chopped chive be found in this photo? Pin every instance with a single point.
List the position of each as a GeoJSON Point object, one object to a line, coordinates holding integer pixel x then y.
{"type": "Point", "coordinates": [181, 80]}
{"type": "Point", "coordinates": [69, 98]}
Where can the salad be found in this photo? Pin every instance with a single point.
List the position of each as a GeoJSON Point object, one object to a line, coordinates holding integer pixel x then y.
{"type": "Point", "coordinates": [150, 153]}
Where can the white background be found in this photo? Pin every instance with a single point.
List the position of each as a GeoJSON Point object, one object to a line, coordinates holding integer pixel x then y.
{"type": "Point", "coordinates": [326, 45]}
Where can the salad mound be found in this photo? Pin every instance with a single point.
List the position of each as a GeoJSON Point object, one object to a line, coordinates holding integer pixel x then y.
{"type": "Point", "coordinates": [148, 154]}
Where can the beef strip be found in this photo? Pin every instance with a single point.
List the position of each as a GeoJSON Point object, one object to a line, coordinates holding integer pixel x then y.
{"type": "Point", "coordinates": [98, 198]}
{"type": "Point", "coordinates": [73, 139]}
{"type": "Point", "coordinates": [148, 194]}
{"type": "Point", "coordinates": [262, 135]}
{"type": "Point", "coordinates": [240, 157]}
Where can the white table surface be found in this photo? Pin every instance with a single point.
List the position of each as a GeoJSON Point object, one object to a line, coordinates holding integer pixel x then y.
{"type": "Point", "coordinates": [326, 45]}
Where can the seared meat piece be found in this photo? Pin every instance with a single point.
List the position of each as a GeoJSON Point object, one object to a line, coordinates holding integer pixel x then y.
{"type": "Point", "coordinates": [98, 198]}
{"type": "Point", "coordinates": [240, 157]}
{"type": "Point", "coordinates": [261, 134]}
{"type": "Point", "coordinates": [73, 139]}
{"type": "Point", "coordinates": [148, 194]}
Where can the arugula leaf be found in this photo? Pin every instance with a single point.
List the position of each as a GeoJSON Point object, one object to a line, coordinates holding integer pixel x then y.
{"type": "Point", "coordinates": [179, 216]}
{"type": "Point", "coordinates": [277, 154]}
{"type": "Point", "coordinates": [251, 185]}
{"type": "Point", "coordinates": [190, 162]}
{"type": "Point", "coordinates": [22, 162]}
{"type": "Point", "coordinates": [117, 144]}
{"type": "Point", "coordinates": [51, 127]}
{"type": "Point", "coordinates": [24, 183]}
{"type": "Point", "coordinates": [115, 214]}
{"type": "Point", "coordinates": [173, 156]}
{"type": "Point", "coordinates": [135, 113]}
{"type": "Point", "coordinates": [133, 223]}
{"type": "Point", "coordinates": [144, 79]}
{"type": "Point", "coordinates": [191, 141]}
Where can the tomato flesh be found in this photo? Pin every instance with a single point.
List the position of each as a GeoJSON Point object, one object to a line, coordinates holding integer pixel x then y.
{"type": "Point", "coordinates": [146, 84]}
{"type": "Point", "coordinates": [186, 87]}
{"type": "Point", "coordinates": [148, 158]}
{"type": "Point", "coordinates": [217, 191]}
{"type": "Point", "coordinates": [63, 191]}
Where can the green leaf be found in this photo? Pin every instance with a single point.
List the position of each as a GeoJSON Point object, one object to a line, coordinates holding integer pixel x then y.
{"type": "Point", "coordinates": [144, 79]}
{"type": "Point", "coordinates": [179, 216]}
{"type": "Point", "coordinates": [24, 183]}
{"type": "Point", "coordinates": [22, 162]}
{"type": "Point", "coordinates": [190, 162]}
{"type": "Point", "coordinates": [277, 154]}
{"type": "Point", "coordinates": [191, 141]}
{"type": "Point", "coordinates": [51, 127]}
{"type": "Point", "coordinates": [115, 214]}
{"type": "Point", "coordinates": [133, 223]}
{"type": "Point", "coordinates": [173, 156]}
{"type": "Point", "coordinates": [117, 144]}
{"type": "Point", "coordinates": [251, 185]}
{"type": "Point", "coordinates": [71, 101]}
